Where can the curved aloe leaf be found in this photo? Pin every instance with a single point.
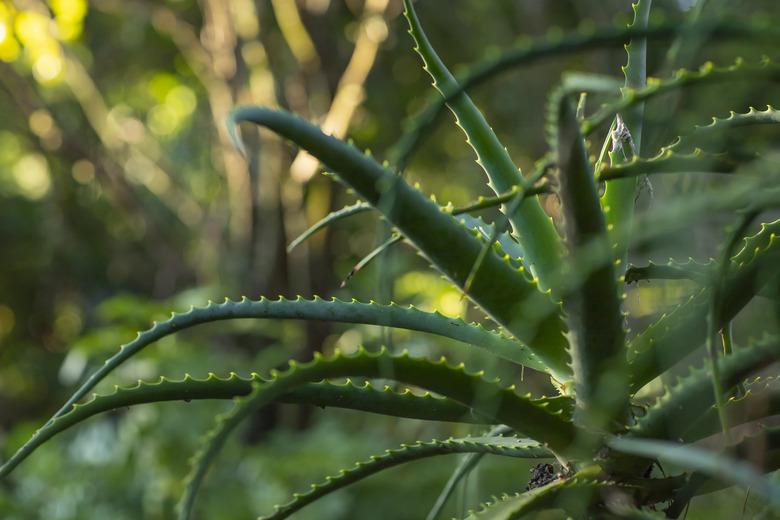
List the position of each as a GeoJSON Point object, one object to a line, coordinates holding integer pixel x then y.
{"type": "Point", "coordinates": [701, 135]}
{"type": "Point", "coordinates": [471, 390]}
{"type": "Point", "coordinates": [692, 397]}
{"type": "Point", "coordinates": [532, 225]}
{"type": "Point", "coordinates": [365, 398]}
{"type": "Point", "coordinates": [503, 293]}
{"type": "Point", "coordinates": [506, 446]}
{"type": "Point", "coordinates": [361, 207]}
{"type": "Point", "coordinates": [765, 441]}
{"type": "Point", "coordinates": [574, 490]}
{"type": "Point", "coordinates": [761, 400]}
{"type": "Point", "coordinates": [507, 196]}
{"type": "Point", "coordinates": [486, 231]}
{"type": "Point", "coordinates": [707, 74]}
{"type": "Point", "coordinates": [720, 467]}
{"type": "Point", "coordinates": [464, 468]}
{"type": "Point", "coordinates": [596, 337]}
{"type": "Point", "coordinates": [618, 198]}
{"type": "Point", "coordinates": [316, 309]}
{"type": "Point", "coordinates": [681, 331]}
{"type": "Point", "coordinates": [330, 218]}
{"type": "Point", "coordinates": [757, 243]}
{"type": "Point", "coordinates": [372, 255]}
{"type": "Point", "coordinates": [526, 53]}
{"type": "Point", "coordinates": [671, 270]}
{"type": "Point", "coordinates": [719, 279]}
{"type": "Point", "coordinates": [669, 161]}
{"type": "Point", "coordinates": [672, 158]}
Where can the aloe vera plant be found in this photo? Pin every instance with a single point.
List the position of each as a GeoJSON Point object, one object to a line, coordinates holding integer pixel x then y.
{"type": "Point", "coordinates": [554, 294]}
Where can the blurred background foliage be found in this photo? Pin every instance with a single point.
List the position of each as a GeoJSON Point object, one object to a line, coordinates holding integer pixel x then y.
{"type": "Point", "coordinates": [121, 200]}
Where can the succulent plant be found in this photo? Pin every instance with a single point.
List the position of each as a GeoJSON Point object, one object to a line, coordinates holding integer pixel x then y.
{"type": "Point", "coordinates": [554, 294]}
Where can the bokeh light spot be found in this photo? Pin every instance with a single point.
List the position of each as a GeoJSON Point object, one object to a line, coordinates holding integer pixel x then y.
{"type": "Point", "coordinates": [31, 174]}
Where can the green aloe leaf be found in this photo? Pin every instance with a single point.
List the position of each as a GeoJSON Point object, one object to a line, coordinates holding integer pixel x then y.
{"type": "Point", "coordinates": [672, 270]}
{"type": "Point", "coordinates": [668, 162]}
{"type": "Point", "coordinates": [485, 397]}
{"type": "Point", "coordinates": [707, 74]}
{"type": "Point", "coordinates": [700, 271]}
{"type": "Point", "coordinates": [506, 241]}
{"type": "Point", "coordinates": [703, 135]}
{"type": "Point", "coordinates": [720, 467]}
{"type": "Point", "coordinates": [692, 397]}
{"type": "Point", "coordinates": [765, 441]}
{"type": "Point", "coordinates": [530, 52]}
{"type": "Point", "coordinates": [682, 330]}
{"type": "Point", "coordinates": [365, 398]}
{"type": "Point", "coordinates": [330, 218]}
{"type": "Point", "coordinates": [490, 202]}
{"type": "Point", "coordinates": [505, 294]}
{"type": "Point", "coordinates": [533, 227]}
{"type": "Point", "coordinates": [618, 198]}
{"type": "Point", "coordinates": [685, 154]}
{"type": "Point", "coordinates": [467, 464]}
{"type": "Point", "coordinates": [315, 309]}
{"type": "Point", "coordinates": [576, 491]}
{"type": "Point", "coordinates": [505, 446]}
{"type": "Point", "coordinates": [596, 336]}
{"type": "Point", "coordinates": [760, 401]}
